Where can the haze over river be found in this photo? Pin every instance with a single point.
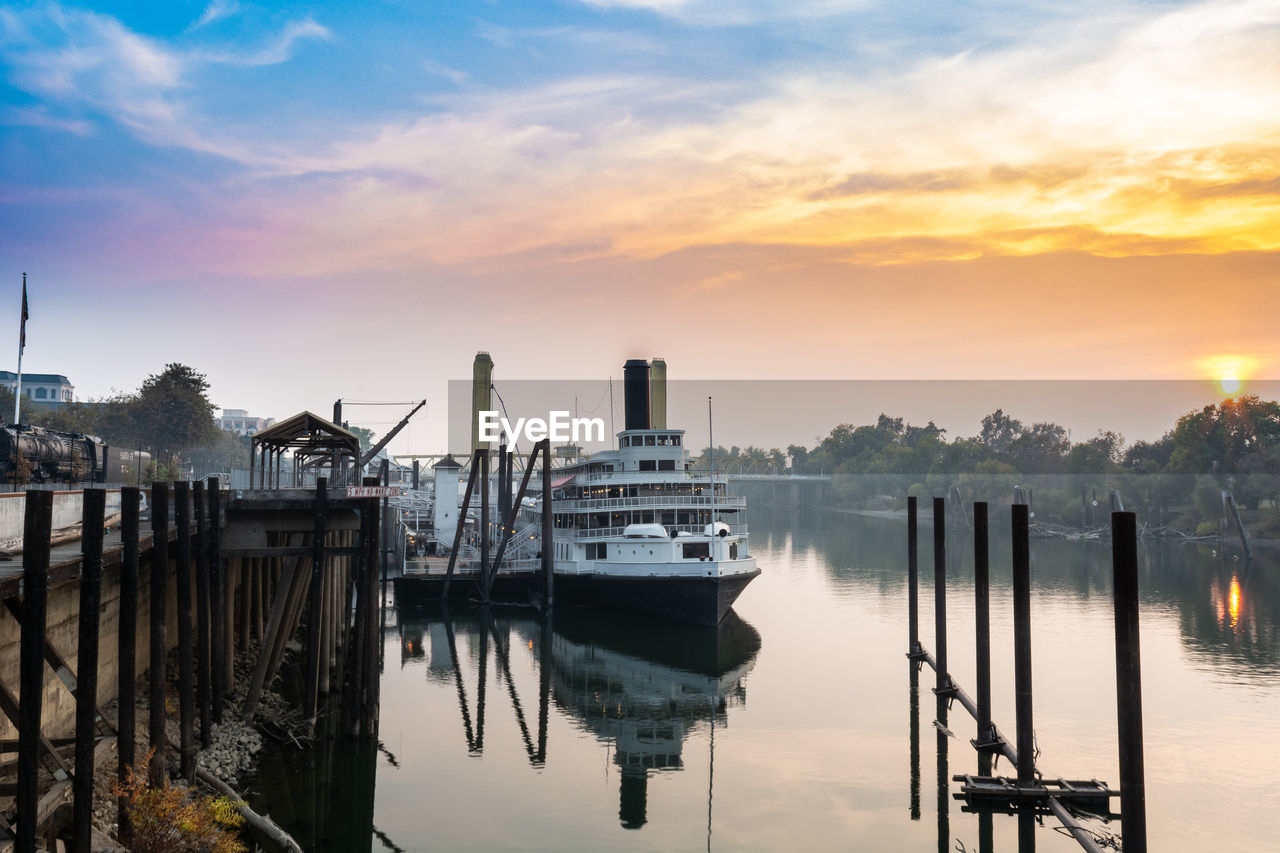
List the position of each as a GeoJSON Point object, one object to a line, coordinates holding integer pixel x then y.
{"type": "Point", "coordinates": [790, 729]}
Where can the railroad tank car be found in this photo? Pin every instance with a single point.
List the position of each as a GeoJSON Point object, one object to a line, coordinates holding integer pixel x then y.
{"type": "Point", "coordinates": [52, 456]}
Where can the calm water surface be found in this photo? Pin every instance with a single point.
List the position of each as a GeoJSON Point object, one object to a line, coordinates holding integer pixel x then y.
{"type": "Point", "coordinates": [791, 727]}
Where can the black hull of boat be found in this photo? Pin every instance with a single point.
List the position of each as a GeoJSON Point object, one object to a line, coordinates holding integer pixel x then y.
{"type": "Point", "coordinates": [702, 601]}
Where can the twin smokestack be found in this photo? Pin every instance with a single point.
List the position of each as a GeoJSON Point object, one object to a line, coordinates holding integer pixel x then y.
{"type": "Point", "coordinates": [644, 388]}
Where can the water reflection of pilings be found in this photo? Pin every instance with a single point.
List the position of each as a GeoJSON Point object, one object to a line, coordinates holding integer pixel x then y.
{"type": "Point", "coordinates": [638, 686]}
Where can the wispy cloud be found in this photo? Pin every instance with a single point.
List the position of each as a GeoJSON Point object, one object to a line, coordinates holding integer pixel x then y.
{"type": "Point", "coordinates": [86, 60]}
{"type": "Point", "coordinates": [457, 77]}
{"type": "Point", "coordinates": [736, 12]}
{"type": "Point", "coordinates": [281, 48]}
{"type": "Point", "coordinates": [217, 10]}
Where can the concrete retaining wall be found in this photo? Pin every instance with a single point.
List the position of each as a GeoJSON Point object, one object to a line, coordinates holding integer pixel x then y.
{"type": "Point", "coordinates": [62, 631]}
{"type": "Point", "coordinates": [67, 509]}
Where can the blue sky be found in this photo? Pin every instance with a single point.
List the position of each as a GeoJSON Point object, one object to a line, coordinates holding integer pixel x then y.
{"type": "Point", "coordinates": [208, 182]}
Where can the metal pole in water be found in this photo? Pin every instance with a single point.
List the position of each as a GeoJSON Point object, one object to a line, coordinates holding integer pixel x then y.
{"type": "Point", "coordinates": [1022, 642]}
{"type": "Point", "coordinates": [1133, 793]}
{"type": "Point", "coordinates": [982, 620]}
{"type": "Point", "coordinates": [913, 583]}
{"type": "Point", "coordinates": [940, 592]}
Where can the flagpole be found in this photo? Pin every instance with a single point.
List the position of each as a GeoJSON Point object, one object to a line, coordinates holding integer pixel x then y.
{"type": "Point", "coordinates": [22, 344]}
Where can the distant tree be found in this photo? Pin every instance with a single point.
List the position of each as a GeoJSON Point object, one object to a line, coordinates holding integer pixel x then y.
{"type": "Point", "coordinates": [365, 435]}
{"type": "Point", "coordinates": [1218, 438]}
{"type": "Point", "coordinates": [226, 451]}
{"type": "Point", "coordinates": [999, 431]}
{"type": "Point", "coordinates": [173, 410]}
{"type": "Point", "coordinates": [1149, 457]}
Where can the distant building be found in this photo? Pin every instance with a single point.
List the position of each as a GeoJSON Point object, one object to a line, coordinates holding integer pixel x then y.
{"type": "Point", "coordinates": [239, 422]}
{"type": "Point", "coordinates": [53, 388]}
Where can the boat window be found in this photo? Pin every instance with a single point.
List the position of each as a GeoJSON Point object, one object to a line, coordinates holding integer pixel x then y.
{"type": "Point", "coordinates": [648, 465]}
{"type": "Point", "coordinates": [695, 550]}
{"type": "Point", "coordinates": [650, 441]}
{"type": "Point", "coordinates": [675, 441]}
{"type": "Point", "coordinates": [733, 550]}
{"type": "Point", "coordinates": [663, 440]}
{"type": "Point", "coordinates": [666, 464]}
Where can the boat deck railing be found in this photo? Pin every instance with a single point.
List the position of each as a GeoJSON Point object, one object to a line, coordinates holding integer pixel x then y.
{"type": "Point", "coordinates": [614, 532]}
{"type": "Point", "coordinates": [674, 501]}
{"type": "Point", "coordinates": [440, 566]}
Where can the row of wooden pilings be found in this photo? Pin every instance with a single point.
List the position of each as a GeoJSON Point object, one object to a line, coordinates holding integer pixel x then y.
{"type": "Point", "coordinates": [1128, 659]}
{"type": "Point", "coordinates": [236, 601]}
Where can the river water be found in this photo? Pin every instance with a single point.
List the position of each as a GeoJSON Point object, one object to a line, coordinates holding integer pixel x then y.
{"type": "Point", "coordinates": [791, 727]}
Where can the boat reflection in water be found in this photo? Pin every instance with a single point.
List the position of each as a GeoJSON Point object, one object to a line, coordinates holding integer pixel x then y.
{"type": "Point", "coordinates": [639, 686]}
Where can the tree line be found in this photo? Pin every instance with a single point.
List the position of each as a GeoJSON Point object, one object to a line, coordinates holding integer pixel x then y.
{"type": "Point", "coordinates": [169, 415]}
{"type": "Point", "coordinates": [1234, 444]}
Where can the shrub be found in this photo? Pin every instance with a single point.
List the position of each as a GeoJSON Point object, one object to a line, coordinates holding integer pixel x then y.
{"type": "Point", "coordinates": [176, 820]}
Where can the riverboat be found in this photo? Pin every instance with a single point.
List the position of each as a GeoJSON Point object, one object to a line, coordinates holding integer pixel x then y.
{"type": "Point", "coordinates": [638, 528]}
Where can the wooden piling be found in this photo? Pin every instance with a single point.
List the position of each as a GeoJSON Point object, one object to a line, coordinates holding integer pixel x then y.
{"type": "Point", "coordinates": [216, 602]}
{"type": "Point", "coordinates": [92, 516]}
{"type": "Point", "coordinates": [242, 615]}
{"type": "Point", "coordinates": [1022, 643]}
{"type": "Point", "coordinates": [186, 636]}
{"type": "Point", "coordinates": [1133, 791]}
{"type": "Point", "coordinates": [159, 579]}
{"type": "Point", "coordinates": [982, 621]}
{"type": "Point", "coordinates": [275, 627]}
{"type": "Point", "coordinates": [315, 604]}
{"type": "Point", "coordinates": [943, 680]}
{"type": "Point", "coordinates": [37, 528]}
{"type": "Point", "coordinates": [913, 582]}
{"type": "Point", "coordinates": [231, 579]}
{"type": "Point", "coordinates": [203, 688]}
{"type": "Point", "coordinates": [127, 636]}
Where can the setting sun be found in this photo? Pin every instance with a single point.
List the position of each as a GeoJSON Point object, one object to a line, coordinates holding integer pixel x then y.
{"type": "Point", "coordinates": [1229, 371]}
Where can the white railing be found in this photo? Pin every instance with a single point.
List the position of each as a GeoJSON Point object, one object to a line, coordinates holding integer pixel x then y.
{"type": "Point", "coordinates": [614, 532]}
{"type": "Point", "coordinates": [438, 567]}
{"type": "Point", "coordinates": [704, 501]}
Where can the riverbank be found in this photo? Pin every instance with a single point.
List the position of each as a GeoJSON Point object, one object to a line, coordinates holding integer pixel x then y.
{"type": "Point", "coordinates": [927, 518]}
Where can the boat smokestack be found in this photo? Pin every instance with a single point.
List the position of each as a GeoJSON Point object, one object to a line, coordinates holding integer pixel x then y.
{"type": "Point", "coordinates": [658, 393]}
{"type": "Point", "coordinates": [481, 391]}
{"type": "Point", "coordinates": [635, 379]}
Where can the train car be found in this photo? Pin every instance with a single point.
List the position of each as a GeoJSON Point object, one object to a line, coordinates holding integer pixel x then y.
{"type": "Point", "coordinates": [31, 454]}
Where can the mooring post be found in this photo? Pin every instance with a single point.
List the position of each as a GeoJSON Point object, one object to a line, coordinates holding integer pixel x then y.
{"type": "Point", "coordinates": [37, 527]}
{"type": "Point", "coordinates": [1022, 643]}
{"type": "Point", "coordinates": [944, 776]}
{"type": "Point", "coordinates": [202, 618]}
{"type": "Point", "coordinates": [310, 699]}
{"type": "Point", "coordinates": [943, 680]}
{"type": "Point", "coordinates": [982, 622]}
{"type": "Point", "coordinates": [548, 529]}
{"type": "Point", "coordinates": [913, 580]}
{"type": "Point", "coordinates": [914, 746]}
{"type": "Point", "coordinates": [127, 636]}
{"type": "Point", "coordinates": [93, 513]}
{"type": "Point", "coordinates": [159, 573]}
{"type": "Point", "coordinates": [216, 602]}
{"type": "Point", "coordinates": [186, 650]}
{"type": "Point", "coordinates": [1133, 791]}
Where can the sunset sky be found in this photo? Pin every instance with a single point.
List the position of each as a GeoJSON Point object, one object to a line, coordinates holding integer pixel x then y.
{"type": "Point", "coordinates": [308, 201]}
